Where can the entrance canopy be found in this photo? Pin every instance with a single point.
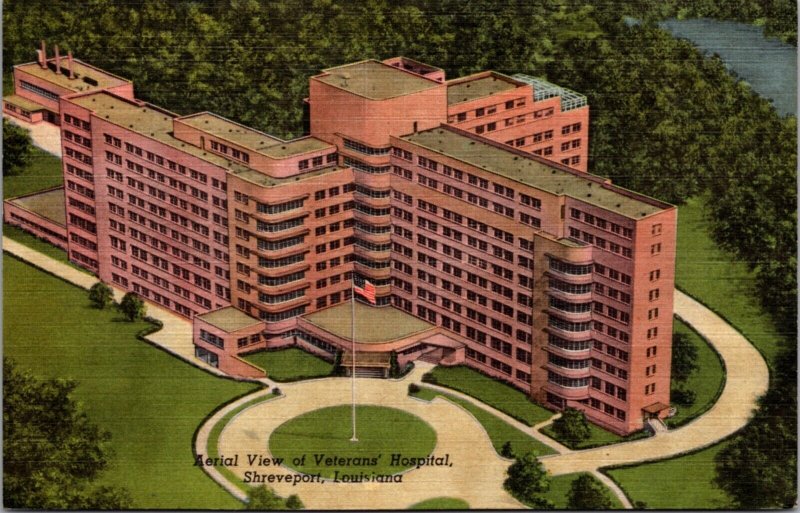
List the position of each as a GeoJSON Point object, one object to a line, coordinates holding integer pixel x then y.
{"type": "Point", "coordinates": [374, 325]}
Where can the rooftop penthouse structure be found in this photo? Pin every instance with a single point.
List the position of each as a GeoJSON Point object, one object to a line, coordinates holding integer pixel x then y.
{"type": "Point", "coordinates": [465, 202]}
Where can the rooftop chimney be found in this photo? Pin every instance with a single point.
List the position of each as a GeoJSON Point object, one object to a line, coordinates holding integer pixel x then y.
{"type": "Point", "coordinates": [58, 61]}
{"type": "Point", "coordinates": [69, 63]}
{"type": "Point", "coordinates": [43, 55]}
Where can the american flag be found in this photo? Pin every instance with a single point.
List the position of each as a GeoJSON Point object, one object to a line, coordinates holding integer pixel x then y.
{"type": "Point", "coordinates": [368, 291]}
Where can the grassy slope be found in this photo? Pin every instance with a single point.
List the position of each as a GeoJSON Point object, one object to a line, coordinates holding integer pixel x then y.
{"type": "Point", "coordinates": [505, 398]}
{"type": "Point", "coordinates": [290, 364]}
{"type": "Point", "coordinates": [499, 431]}
{"type": "Point", "coordinates": [43, 172]}
{"type": "Point", "coordinates": [598, 436]}
{"type": "Point", "coordinates": [25, 238]}
{"type": "Point", "coordinates": [151, 402]}
{"type": "Point", "coordinates": [680, 483]}
{"type": "Point", "coordinates": [710, 275]}
{"type": "Point", "coordinates": [706, 381]}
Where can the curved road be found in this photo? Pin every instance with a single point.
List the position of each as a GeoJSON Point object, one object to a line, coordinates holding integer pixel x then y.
{"type": "Point", "coordinates": [747, 379]}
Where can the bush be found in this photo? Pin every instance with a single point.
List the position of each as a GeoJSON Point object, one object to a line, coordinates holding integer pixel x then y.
{"type": "Point", "coordinates": [413, 388]}
{"type": "Point", "coordinates": [507, 451]}
{"type": "Point", "coordinates": [101, 295]}
{"type": "Point", "coordinates": [683, 396]}
{"type": "Point", "coordinates": [572, 427]}
{"type": "Point", "coordinates": [277, 391]}
{"type": "Point", "coordinates": [429, 378]}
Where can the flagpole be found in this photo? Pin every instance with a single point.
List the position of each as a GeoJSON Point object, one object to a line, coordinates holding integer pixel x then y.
{"type": "Point", "coordinates": [353, 342]}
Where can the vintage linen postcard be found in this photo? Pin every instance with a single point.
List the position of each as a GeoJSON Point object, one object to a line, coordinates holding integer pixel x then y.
{"type": "Point", "coordinates": [373, 255]}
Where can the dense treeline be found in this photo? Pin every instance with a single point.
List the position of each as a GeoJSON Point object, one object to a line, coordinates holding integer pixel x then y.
{"type": "Point", "coordinates": [779, 17]}
{"type": "Point", "coordinates": [666, 121]}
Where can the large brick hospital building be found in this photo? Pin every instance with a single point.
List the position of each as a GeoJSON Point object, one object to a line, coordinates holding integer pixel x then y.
{"type": "Point", "coordinates": [466, 202]}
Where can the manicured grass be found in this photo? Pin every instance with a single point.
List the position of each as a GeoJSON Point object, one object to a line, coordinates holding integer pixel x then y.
{"type": "Point", "coordinates": [499, 431]}
{"type": "Point", "coordinates": [382, 432]}
{"type": "Point", "coordinates": [441, 503]}
{"type": "Point", "coordinates": [290, 364]}
{"type": "Point", "coordinates": [213, 438]}
{"type": "Point", "coordinates": [710, 275]}
{"type": "Point", "coordinates": [706, 381]}
{"type": "Point", "coordinates": [598, 437]}
{"type": "Point", "coordinates": [23, 237]}
{"type": "Point", "coordinates": [559, 488]}
{"type": "Point", "coordinates": [150, 401]}
{"type": "Point", "coordinates": [497, 394]}
{"type": "Point", "coordinates": [680, 483]}
{"type": "Point", "coordinates": [43, 172]}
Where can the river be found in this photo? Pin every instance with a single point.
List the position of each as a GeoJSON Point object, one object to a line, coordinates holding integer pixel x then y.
{"type": "Point", "coordinates": [768, 65]}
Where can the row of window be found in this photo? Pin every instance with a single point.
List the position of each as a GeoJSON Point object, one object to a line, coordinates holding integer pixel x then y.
{"type": "Point", "coordinates": [485, 111]}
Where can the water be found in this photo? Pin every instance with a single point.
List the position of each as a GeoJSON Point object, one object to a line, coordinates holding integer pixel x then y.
{"type": "Point", "coordinates": [769, 66]}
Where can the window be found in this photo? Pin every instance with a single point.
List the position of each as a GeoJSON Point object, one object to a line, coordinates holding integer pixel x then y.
{"type": "Point", "coordinates": [652, 333]}
{"type": "Point", "coordinates": [656, 229]}
{"type": "Point", "coordinates": [652, 314]}
{"type": "Point", "coordinates": [654, 294]}
{"type": "Point", "coordinates": [654, 275]}
{"type": "Point", "coordinates": [655, 249]}
{"type": "Point", "coordinates": [652, 351]}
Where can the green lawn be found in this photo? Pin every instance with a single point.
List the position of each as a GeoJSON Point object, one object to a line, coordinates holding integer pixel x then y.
{"type": "Point", "coordinates": [381, 431]}
{"type": "Point", "coordinates": [23, 237]}
{"type": "Point", "coordinates": [706, 381]}
{"type": "Point", "coordinates": [499, 431]}
{"type": "Point", "coordinates": [710, 275]}
{"type": "Point", "coordinates": [680, 483]}
{"type": "Point", "coordinates": [43, 172]}
{"type": "Point", "coordinates": [290, 364]}
{"type": "Point", "coordinates": [441, 503]}
{"type": "Point", "coordinates": [497, 394]}
{"type": "Point", "coordinates": [559, 488]}
{"type": "Point", "coordinates": [150, 401]}
{"type": "Point", "coordinates": [598, 437]}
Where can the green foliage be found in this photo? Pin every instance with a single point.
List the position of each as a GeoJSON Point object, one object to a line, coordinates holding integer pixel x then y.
{"type": "Point", "coordinates": [683, 396]}
{"type": "Point", "coordinates": [587, 493]}
{"type": "Point", "coordinates": [527, 480]}
{"type": "Point", "coordinates": [51, 451]}
{"type": "Point", "coordinates": [394, 366]}
{"type": "Point", "coordinates": [132, 306]}
{"type": "Point", "coordinates": [264, 498]}
{"type": "Point", "coordinates": [507, 451]}
{"type": "Point", "coordinates": [572, 427]}
{"type": "Point", "coordinates": [684, 357]}
{"type": "Point", "coordinates": [17, 149]}
{"type": "Point", "coordinates": [101, 295]}
{"type": "Point", "coordinates": [413, 388]}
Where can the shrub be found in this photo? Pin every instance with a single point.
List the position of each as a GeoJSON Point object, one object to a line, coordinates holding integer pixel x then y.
{"type": "Point", "coordinates": [507, 451]}
{"type": "Point", "coordinates": [683, 397]}
{"type": "Point", "coordinates": [429, 378]}
{"type": "Point", "coordinates": [277, 391]}
{"type": "Point", "coordinates": [413, 388]}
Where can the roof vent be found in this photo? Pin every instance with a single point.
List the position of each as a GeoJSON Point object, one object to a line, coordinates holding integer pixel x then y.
{"type": "Point", "coordinates": [589, 195]}
{"type": "Point", "coordinates": [619, 205]}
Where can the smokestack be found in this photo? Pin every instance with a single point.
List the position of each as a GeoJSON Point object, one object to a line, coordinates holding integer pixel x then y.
{"type": "Point", "coordinates": [69, 63]}
{"type": "Point", "coordinates": [58, 61]}
{"type": "Point", "coordinates": [43, 55]}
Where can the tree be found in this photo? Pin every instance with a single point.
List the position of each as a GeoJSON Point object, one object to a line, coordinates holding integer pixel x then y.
{"type": "Point", "coordinates": [394, 366]}
{"type": "Point", "coordinates": [101, 295]}
{"type": "Point", "coordinates": [132, 306]}
{"type": "Point", "coordinates": [684, 357]}
{"type": "Point", "coordinates": [265, 498]}
{"type": "Point", "coordinates": [52, 452]}
{"type": "Point", "coordinates": [17, 148]}
{"type": "Point", "coordinates": [294, 502]}
{"type": "Point", "coordinates": [507, 451]}
{"type": "Point", "coordinates": [572, 427]}
{"type": "Point", "coordinates": [526, 479]}
{"type": "Point", "coordinates": [586, 492]}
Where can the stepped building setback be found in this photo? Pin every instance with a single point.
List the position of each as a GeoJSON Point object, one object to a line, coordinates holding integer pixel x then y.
{"type": "Point", "coordinates": [466, 202]}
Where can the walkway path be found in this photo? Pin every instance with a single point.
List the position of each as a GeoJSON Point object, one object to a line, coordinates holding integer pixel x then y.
{"type": "Point", "coordinates": [176, 334]}
{"type": "Point", "coordinates": [44, 135]}
{"type": "Point", "coordinates": [747, 378]}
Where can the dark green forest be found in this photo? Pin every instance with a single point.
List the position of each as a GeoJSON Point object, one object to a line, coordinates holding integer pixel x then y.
{"type": "Point", "coordinates": [665, 120]}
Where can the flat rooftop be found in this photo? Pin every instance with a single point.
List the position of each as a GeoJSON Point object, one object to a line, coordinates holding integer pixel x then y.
{"type": "Point", "coordinates": [373, 325]}
{"type": "Point", "coordinates": [536, 173]}
{"type": "Point", "coordinates": [375, 80]}
{"type": "Point", "coordinates": [48, 204]}
{"type": "Point", "coordinates": [252, 139]}
{"type": "Point", "coordinates": [99, 79]}
{"type": "Point", "coordinates": [24, 103]}
{"type": "Point", "coordinates": [229, 319]}
{"type": "Point", "coordinates": [144, 119]}
{"type": "Point", "coordinates": [464, 90]}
